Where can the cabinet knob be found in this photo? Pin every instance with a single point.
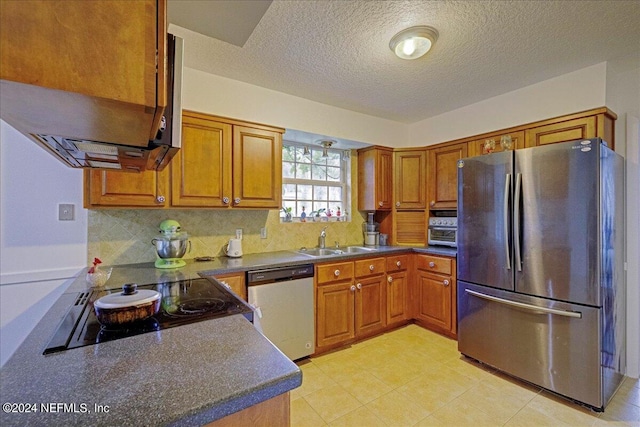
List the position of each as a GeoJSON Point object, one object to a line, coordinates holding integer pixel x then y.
{"type": "Point", "coordinates": [380, 204]}
{"type": "Point", "coordinates": [397, 204]}
{"type": "Point", "coordinates": [225, 200]}
{"type": "Point", "coordinates": [336, 273]}
{"type": "Point", "coordinates": [353, 288]}
{"type": "Point", "coordinates": [433, 203]}
{"type": "Point", "coordinates": [236, 200]}
{"type": "Point", "coordinates": [160, 199]}
{"type": "Point", "coordinates": [359, 286]}
{"type": "Point", "coordinates": [445, 282]}
{"type": "Point", "coordinates": [371, 267]}
{"type": "Point", "coordinates": [432, 264]}
{"type": "Point", "coordinates": [389, 279]}
{"type": "Point", "coordinates": [398, 264]}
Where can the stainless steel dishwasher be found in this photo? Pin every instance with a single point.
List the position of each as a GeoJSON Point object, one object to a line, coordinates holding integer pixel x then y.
{"type": "Point", "coordinates": [283, 298]}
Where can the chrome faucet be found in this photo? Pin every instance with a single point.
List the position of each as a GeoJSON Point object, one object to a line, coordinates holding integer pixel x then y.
{"type": "Point", "coordinates": [321, 239]}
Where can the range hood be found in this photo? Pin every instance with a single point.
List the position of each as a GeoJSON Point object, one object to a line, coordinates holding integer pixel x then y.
{"type": "Point", "coordinates": [113, 102]}
{"type": "Point", "coordinates": [90, 154]}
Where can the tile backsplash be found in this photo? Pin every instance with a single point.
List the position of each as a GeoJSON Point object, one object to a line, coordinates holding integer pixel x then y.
{"type": "Point", "coordinates": [124, 236]}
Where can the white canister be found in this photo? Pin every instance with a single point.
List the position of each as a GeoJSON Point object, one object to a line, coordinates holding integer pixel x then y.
{"type": "Point", "coordinates": [233, 249]}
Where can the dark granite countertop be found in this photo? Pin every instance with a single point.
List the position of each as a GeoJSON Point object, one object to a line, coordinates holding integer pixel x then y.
{"type": "Point", "coordinates": [189, 375]}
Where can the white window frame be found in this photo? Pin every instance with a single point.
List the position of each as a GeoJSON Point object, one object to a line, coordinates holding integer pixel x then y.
{"type": "Point", "coordinates": [343, 184]}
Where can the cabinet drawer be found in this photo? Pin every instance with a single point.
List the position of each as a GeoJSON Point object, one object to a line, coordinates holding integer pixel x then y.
{"type": "Point", "coordinates": [397, 263]}
{"type": "Point", "coordinates": [332, 272]}
{"type": "Point", "coordinates": [436, 264]}
{"type": "Point", "coordinates": [369, 267]}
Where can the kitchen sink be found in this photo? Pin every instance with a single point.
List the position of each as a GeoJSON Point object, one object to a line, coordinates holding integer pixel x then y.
{"type": "Point", "coordinates": [355, 250]}
{"type": "Point", "coordinates": [316, 252]}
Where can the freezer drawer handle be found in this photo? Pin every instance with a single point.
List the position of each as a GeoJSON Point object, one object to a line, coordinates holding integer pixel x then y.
{"type": "Point", "coordinates": [542, 310]}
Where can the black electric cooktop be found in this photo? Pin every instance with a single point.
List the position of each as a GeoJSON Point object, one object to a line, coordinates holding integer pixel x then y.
{"type": "Point", "coordinates": [183, 302]}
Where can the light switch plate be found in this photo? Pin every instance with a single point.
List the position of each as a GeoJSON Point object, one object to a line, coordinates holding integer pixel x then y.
{"type": "Point", "coordinates": [239, 233]}
{"type": "Point", "coordinates": [66, 212]}
{"type": "Point", "coordinates": [263, 233]}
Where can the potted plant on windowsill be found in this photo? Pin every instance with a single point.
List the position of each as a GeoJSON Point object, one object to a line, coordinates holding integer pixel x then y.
{"type": "Point", "coordinates": [287, 214]}
{"type": "Point", "coordinates": [316, 214]}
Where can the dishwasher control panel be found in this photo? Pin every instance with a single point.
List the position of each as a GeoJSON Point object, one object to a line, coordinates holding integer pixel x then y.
{"type": "Point", "coordinates": [278, 274]}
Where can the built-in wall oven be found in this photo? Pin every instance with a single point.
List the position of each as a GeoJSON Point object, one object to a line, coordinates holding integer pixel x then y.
{"type": "Point", "coordinates": [443, 231]}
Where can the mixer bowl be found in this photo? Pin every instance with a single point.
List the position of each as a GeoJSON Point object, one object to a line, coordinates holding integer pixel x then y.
{"type": "Point", "coordinates": [171, 248]}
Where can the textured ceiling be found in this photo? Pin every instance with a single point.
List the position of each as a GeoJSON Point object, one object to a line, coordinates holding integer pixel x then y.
{"type": "Point", "coordinates": [337, 52]}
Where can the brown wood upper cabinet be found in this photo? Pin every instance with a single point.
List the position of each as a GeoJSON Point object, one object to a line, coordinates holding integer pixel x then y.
{"type": "Point", "coordinates": [443, 175]}
{"type": "Point", "coordinates": [375, 179]}
{"type": "Point", "coordinates": [84, 69]}
{"type": "Point", "coordinates": [598, 123]}
{"type": "Point", "coordinates": [222, 163]}
{"type": "Point", "coordinates": [410, 178]}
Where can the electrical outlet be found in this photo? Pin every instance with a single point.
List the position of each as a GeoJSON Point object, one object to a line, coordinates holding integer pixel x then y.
{"type": "Point", "coordinates": [239, 233]}
{"type": "Point", "coordinates": [66, 211]}
{"type": "Point", "coordinates": [263, 233]}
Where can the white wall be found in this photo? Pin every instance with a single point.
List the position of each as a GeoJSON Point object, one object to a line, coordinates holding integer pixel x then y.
{"type": "Point", "coordinates": [570, 93]}
{"type": "Point", "coordinates": [623, 97]}
{"type": "Point", "coordinates": [221, 96]}
{"type": "Point", "coordinates": [37, 252]}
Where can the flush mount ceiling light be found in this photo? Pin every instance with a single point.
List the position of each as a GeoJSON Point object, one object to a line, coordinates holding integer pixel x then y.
{"type": "Point", "coordinates": [413, 42]}
{"type": "Point", "coordinates": [326, 144]}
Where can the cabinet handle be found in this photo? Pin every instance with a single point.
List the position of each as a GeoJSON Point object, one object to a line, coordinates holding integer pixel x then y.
{"type": "Point", "coordinates": [160, 199]}
{"type": "Point", "coordinates": [432, 264]}
{"type": "Point", "coordinates": [336, 273]}
{"type": "Point", "coordinates": [397, 204]}
{"type": "Point", "coordinates": [445, 282]}
{"type": "Point", "coordinates": [371, 267]}
{"type": "Point", "coordinates": [433, 203]}
{"type": "Point", "coordinates": [353, 288]}
{"type": "Point", "coordinates": [398, 264]}
{"type": "Point", "coordinates": [359, 286]}
{"type": "Point", "coordinates": [236, 200]}
{"type": "Point", "coordinates": [389, 279]}
{"type": "Point", "coordinates": [225, 200]}
{"type": "Point", "coordinates": [380, 204]}
{"type": "Point", "coordinates": [226, 285]}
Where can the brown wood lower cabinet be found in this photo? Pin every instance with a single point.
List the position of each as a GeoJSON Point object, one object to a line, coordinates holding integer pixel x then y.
{"type": "Point", "coordinates": [236, 282]}
{"type": "Point", "coordinates": [435, 292]}
{"type": "Point", "coordinates": [274, 412]}
{"type": "Point", "coordinates": [335, 313]}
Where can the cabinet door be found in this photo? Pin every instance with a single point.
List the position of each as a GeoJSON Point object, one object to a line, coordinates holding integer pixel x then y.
{"type": "Point", "coordinates": [109, 80]}
{"type": "Point", "coordinates": [410, 179]}
{"type": "Point", "coordinates": [335, 313]}
{"type": "Point", "coordinates": [201, 170]}
{"type": "Point", "coordinates": [235, 282]}
{"type": "Point", "coordinates": [410, 228]}
{"type": "Point", "coordinates": [570, 130]}
{"type": "Point", "coordinates": [370, 314]}
{"type": "Point", "coordinates": [257, 168]}
{"type": "Point", "coordinates": [397, 289]}
{"type": "Point", "coordinates": [478, 147]}
{"type": "Point", "coordinates": [443, 175]}
{"type": "Point", "coordinates": [125, 189]}
{"type": "Point", "coordinates": [434, 299]}
{"type": "Point", "coordinates": [375, 178]}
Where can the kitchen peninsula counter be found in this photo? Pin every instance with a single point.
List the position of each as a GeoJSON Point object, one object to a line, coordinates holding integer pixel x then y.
{"type": "Point", "coordinates": [188, 375]}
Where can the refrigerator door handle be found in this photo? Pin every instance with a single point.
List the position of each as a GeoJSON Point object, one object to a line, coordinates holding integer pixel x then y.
{"type": "Point", "coordinates": [516, 222]}
{"type": "Point", "coordinates": [506, 222]}
{"type": "Point", "coordinates": [540, 310]}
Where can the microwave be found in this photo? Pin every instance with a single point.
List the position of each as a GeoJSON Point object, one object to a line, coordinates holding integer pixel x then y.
{"type": "Point", "coordinates": [443, 231]}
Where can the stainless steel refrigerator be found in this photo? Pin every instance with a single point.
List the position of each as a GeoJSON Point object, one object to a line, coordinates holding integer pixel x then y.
{"type": "Point", "coordinates": [541, 292]}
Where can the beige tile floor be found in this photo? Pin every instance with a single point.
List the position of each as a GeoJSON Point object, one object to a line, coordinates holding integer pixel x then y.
{"type": "Point", "coordinates": [413, 377]}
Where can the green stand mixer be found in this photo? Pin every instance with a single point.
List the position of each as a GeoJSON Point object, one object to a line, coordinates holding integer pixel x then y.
{"type": "Point", "coordinates": [171, 245]}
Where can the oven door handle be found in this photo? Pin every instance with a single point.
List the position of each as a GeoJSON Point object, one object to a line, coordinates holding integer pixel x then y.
{"type": "Point", "coordinates": [437, 228]}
